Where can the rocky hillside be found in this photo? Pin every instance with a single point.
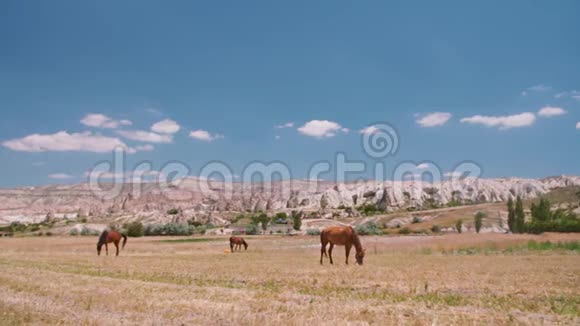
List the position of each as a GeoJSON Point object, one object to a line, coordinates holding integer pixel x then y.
{"type": "Point", "coordinates": [198, 199]}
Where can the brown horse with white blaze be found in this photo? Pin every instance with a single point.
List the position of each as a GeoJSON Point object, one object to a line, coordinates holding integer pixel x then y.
{"type": "Point", "coordinates": [237, 242]}
{"type": "Point", "coordinates": [341, 236]}
{"type": "Point", "coordinates": [108, 237]}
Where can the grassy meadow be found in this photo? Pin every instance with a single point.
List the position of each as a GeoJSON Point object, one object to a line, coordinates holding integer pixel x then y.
{"type": "Point", "coordinates": [450, 279]}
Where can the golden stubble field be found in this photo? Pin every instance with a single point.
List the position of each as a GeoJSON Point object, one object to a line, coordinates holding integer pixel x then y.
{"type": "Point", "coordinates": [405, 280]}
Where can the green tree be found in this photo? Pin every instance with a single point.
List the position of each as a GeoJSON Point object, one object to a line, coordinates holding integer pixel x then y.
{"type": "Point", "coordinates": [173, 211]}
{"type": "Point", "coordinates": [281, 218]}
{"type": "Point", "coordinates": [459, 226]}
{"type": "Point", "coordinates": [405, 230]}
{"type": "Point", "coordinates": [520, 215]}
{"type": "Point", "coordinates": [479, 216]}
{"type": "Point", "coordinates": [134, 229]}
{"type": "Point", "coordinates": [511, 216]}
{"type": "Point", "coordinates": [370, 228]}
{"type": "Point", "coordinates": [297, 219]}
{"type": "Point", "coordinates": [368, 209]}
{"type": "Point", "coordinates": [261, 218]}
{"type": "Point", "coordinates": [264, 220]}
{"type": "Point", "coordinates": [17, 227]}
{"type": "Point", "coordinates": [251, 230]}
{"type": "Point", "coordinates": [313, 232]}
{"type": "Point", "coordinates": [560, 214]}
{"type": "Point", "coordinates": [542, 212]}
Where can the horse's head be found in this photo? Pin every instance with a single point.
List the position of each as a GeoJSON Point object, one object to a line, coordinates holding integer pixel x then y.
{"type": "Point", "coordinates": [102, 241]}
{"type": "Point", "coordinates": [360, 255]}
{"type": "Point", "coordinates": [245, 245]}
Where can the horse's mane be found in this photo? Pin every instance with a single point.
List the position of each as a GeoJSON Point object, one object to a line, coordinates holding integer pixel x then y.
{"type": "Point", "coordinates": [356, 240]}
{"type": "Point", "coordinates": [103, 237]}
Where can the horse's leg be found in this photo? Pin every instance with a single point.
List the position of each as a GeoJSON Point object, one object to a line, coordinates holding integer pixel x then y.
{"type": "Point", "coordinates": [117, 246]}
{"type": "Point", "coordinates": [330, 253]}
{"type": "Point", "coordinates": [347, 248]}
{"type": "Point", "coordinates": [107, 248]}
{"type": "Point", "coordinates": [231, 246]}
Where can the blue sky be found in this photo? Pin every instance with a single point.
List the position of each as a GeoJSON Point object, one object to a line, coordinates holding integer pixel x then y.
{"type": "Point", "coordinates": [231, 71]}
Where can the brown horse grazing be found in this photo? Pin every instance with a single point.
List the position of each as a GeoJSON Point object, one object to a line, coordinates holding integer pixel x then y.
{"type": "Point", "coordinates": [238, 242]}
{"type": "Point", "coordinates": [108, 237]}
{"type": "Point", "coordinates": [341, 236]}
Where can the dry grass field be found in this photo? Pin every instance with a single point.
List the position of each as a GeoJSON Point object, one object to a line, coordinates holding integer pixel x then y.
{"type": "Point", "coordinates": [452, 279]}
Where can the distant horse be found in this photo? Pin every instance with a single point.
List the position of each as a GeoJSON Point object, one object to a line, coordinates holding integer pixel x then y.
{"type": "Point", "coordinates": [341, 236]}
{"type": "Point", "coordinates": [237, 242]}
{"type": "Point", "coordinates": [108, 237]}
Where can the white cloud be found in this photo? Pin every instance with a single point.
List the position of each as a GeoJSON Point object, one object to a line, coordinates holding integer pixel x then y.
{"type": "Point", "coordinates": [374, 129]}
{"type": "Point", "coordinates": [203, 135]}
{"type": "Point", "coordinates": [145, 148]}
{"type": "Point", "coordinates": [60, 176]}
{"type": "Point", "coordinates": [560, 95]}
{"type": "Point", "coordinates": [143, 175]}
{"type": "Point", "coordinates": [423, 166]}
{"type": "Point", "coordinates": [95, 120]}
{"type": "Point", "coordinates": [573, 94]}
{"type": "Point", "coordinates": [285, 125]}
{"type": "Point", "coordinates": [321, 128]}
{"type": "Point", "coordinates": [503, 122]}
{"type": "Point", "coordinates": [98, 120]}
{"type": "Point", "coordinates": [166, 126]}
{"type": "Point", "coordinates": [540, 88]}
{"type": "Point", "coordinates": [154, 111]}
{"type": "Point", "coordinates": [146, 136]}
{"type": "Point", "coordinates": [578, 125]}
{"type": "Point", "coordinates": [105, 174]}
{"type": "Point", "coordinates": [129, 176]}
{"type": "Point", "coordinates": [550, 111]}
{"type": "Point", "coordinates": [454, 174]}
{"type": "Point", "coordinates": [434, 119]}
{"type": "Point", "coordinates": [62, 141]}
{"type": "Point", "coordinates": [276, 137]}
{"type": "Point", "coordinates": [369, 130]}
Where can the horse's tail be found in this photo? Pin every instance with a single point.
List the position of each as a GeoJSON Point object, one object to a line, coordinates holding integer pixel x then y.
{"type": "Point", "coordinates": [124, 241]}
{"type": "Point", "coordinates": [323, 243]}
